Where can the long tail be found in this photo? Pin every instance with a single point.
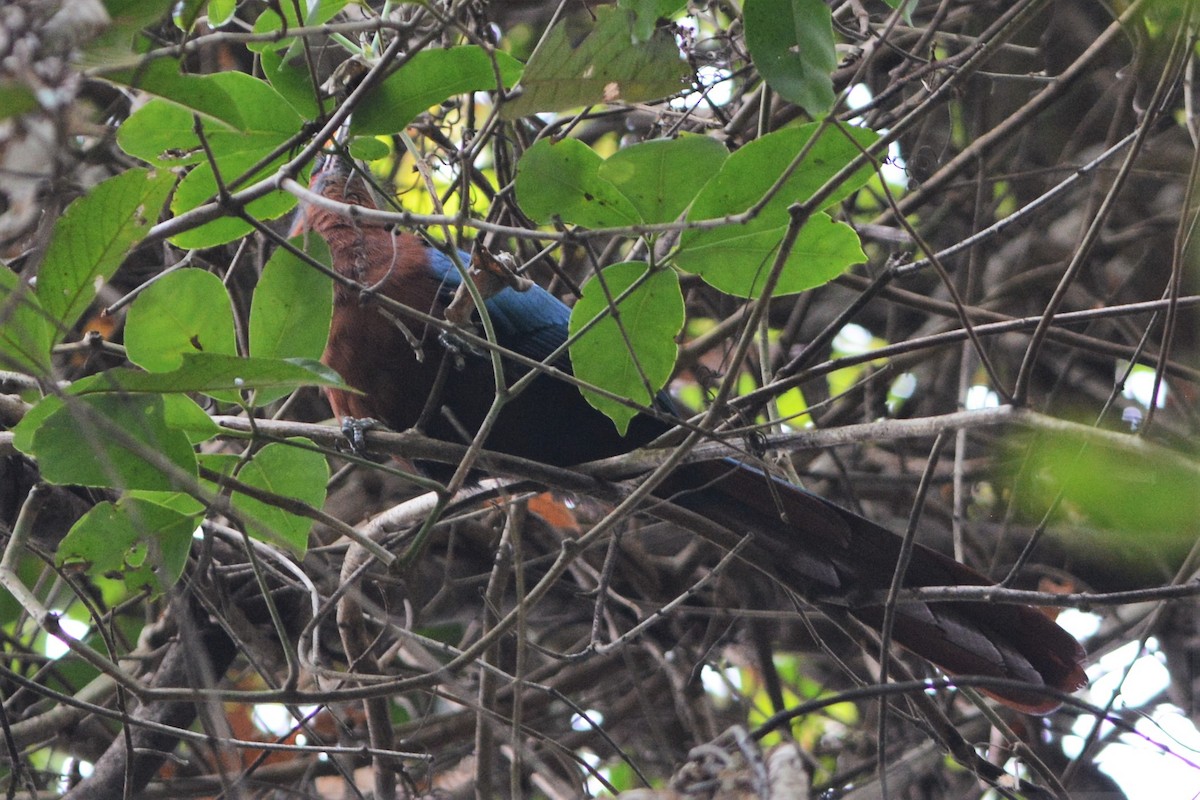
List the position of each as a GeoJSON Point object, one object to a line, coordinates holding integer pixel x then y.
{"type": "Point", "coordinates": [834, 556]}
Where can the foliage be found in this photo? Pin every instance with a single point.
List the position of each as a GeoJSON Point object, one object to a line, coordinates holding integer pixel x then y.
{"type": "Point", "coordinates": [639, 307]}
{"type": "Point", "coordinates": [795, 60]}
{"type": "Point", "coordinates": [726, 197]}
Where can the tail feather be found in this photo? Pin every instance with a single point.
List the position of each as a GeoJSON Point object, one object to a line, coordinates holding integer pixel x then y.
{"type": "Point", "coordinates": [834, 556]}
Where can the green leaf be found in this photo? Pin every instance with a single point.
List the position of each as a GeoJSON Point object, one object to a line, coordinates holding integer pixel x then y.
{"type": "Point", "coordinates": [369, 148]}
{"type": "Point", "coordinates": [186, 311]}
{"type": "Point", "coordinates": [737, 258]}
{"type": "Point", "coordinates": [651, 317]}
{"type": "Point", "coordinates": [220, 12]}
{"type": "Point", "coordinates": [214, 374]}
{"type": "Point", "coordinates": [661, 177]}
{"type": "Point", "coordinates": [250, 118]}
{"type": "Point", "coordinates": [223, 464]}
{"type": "Point", "coordinates": [92, 238]}
{"type": "Point", "coordinates": [184, 503]}
{"type": "Point", "coordinates": [647, 13]}
{"type": "Point", "coordinates": [1114, 488]}
{"type": "Point", "coordinates": [182, 413]}
{"type": "Point", "coordinates": [179, 411]}
{"type": "Point", "coordinates": [187, 12]}
{"type": "Point", "coordinates": [1132, 501]}
{"type": "Point", "coordinates": [24, 430]}
{"type": "Point", "coordinates": [249, 122]}
{"type": "Point", "coordinates": [26, 333]}
{"type": "Point", "coordinates": [161, 133]}
{"type": "Point", "coordinates": [126, 18]}
{"type": "Point", "coordinates": [791, 42]}
{"type": "Point", "coordinates": [292, 81]}
{"type": "Point", "coordinates": [562, 179]}
{"type": "Point", "coordinates": [573, 68]}
{"type": "Point", "coordinates": [135, 541]}
{"type": "Point", "coordinates": [179, 502]}
{"type": "Point", "coordinates": [269, 21]}
{"type": "Point", "coordinates": [793, 408]}
{"type": "Point", "coordinates": [74, 443]}
{"type": "Point", "coordinates": [211, 96]}
{"type": "Point", "coordinates": [289, 472]}
{"type": "Point", "coordinates": [748, 173]}
{"type": "Point", "coordinates": [291, 310]}
{"type": "Point", "coordinates": [200, 186]}
{"type": "Point", "coordinates": [430, 78]}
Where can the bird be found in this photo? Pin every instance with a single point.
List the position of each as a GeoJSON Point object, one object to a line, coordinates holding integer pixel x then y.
{"type": "Point", "coordinates": [412, 374]}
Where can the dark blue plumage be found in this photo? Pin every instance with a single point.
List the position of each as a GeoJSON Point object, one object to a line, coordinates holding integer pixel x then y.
{"type": "Point", "coordinates": [531, 322]}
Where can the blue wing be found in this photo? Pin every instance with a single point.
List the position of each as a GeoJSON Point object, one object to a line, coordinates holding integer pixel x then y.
{"type": "Point", "coordinates": [532, 323]}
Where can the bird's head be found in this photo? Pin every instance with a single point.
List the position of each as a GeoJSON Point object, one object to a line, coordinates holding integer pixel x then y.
{"type": "Point", "coordinates": [336, 178]}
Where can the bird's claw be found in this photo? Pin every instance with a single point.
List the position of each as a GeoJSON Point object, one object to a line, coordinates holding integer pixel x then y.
{"type": "Point", "coordinates": [355, 431]}
{"type": "Point", "coordinates": [458, 348]}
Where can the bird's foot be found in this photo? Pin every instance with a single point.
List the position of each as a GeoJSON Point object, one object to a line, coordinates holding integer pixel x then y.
{"type": "Point", "coordinates": [458, 348]}
{"type": "Point", "coordinates": [355, 431]}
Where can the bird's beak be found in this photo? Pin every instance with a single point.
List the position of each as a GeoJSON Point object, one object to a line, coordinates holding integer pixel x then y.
{"type": "Point", "coordinates": [329, 170]}
{"type": "Point", "coordinates": [332, 165]}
